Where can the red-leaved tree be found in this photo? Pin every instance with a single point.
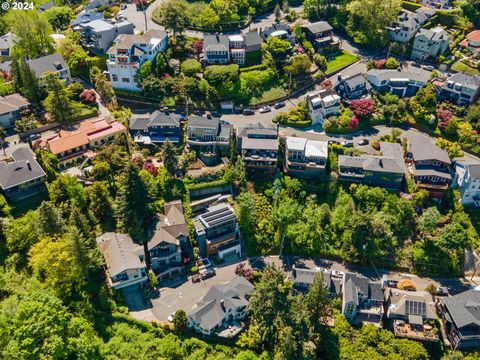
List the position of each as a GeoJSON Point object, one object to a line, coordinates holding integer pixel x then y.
{"type": "Point", "coordinates": [152, 169]}
{"type": "Point", "coordinates": [362, 107]}
{"type": "Point", "coordinates": [88, 96]}
{"type": "Point", "coordinates": [380, 64]}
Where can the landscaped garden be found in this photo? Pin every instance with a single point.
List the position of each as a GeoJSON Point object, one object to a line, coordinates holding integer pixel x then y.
{"type": "Point", "coordinates": [460, 66]}
{"type": "Point", "coordinates": [340, 60]}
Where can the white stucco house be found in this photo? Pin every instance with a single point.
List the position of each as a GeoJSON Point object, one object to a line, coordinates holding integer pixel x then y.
{"type": "Point", "coordinates": [323, 104]}
{"type": "Point", "coordinates": [467, 181]}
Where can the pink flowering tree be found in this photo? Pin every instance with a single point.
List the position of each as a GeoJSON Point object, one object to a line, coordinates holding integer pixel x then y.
{"type": "Point", "coordinates": [362, 107]}
{"type": "Point", "coordinates": [444, 117]}
{"type": "Point", "coordinates": [353, 122]}
{"type": "Point", "coordinates": [152, 169]}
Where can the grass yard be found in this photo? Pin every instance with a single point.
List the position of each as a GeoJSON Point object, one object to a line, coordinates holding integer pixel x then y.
{"type": "Point", "coordinates": [461, 67]}
{"type": "Point", "coordinates": [269, 95]}
{"type": "Point", "coordinates": [341, 60]}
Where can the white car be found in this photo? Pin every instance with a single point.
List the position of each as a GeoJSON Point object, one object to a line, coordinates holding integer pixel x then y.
{"type": "Point", "coordinates": [170, 317]}
{"type": "Point", "coordinates": [264, 109]}
{"type": "Point", "coordinates": [337, 273]}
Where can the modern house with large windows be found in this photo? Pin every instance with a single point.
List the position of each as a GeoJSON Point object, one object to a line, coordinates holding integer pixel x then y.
{"type": "Point", "coordinates": [129, 52]}
{"type": "Point", "coordinates": [208, 134]}
{"type": "Point", "coordinates": [217, 232]}
{"type": "Point", "coordinates": [461, 89]}
{"type": "Point", "coordinates": [259, 147]}
{"type": "Point", "coordinates": [323, 104]}
{"type": "Point", "coordinates": [467, 181]}
{"type": "Point", "coordinates": [403, 83]}
{"type": "Point", "coordinates": [305, 157]}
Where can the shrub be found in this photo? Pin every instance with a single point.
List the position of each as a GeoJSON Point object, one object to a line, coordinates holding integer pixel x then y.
{"type": "Point", "coordinates": [444, 117]}
{"type": "Point", "coordinates": [190, 67]}
{"type": "Point", "coordinates": [406, 284]}
{"type": "Point", "coordinates": [380, 64]}
{"type": "Point", "coordinates": [391, 63]}
{"type": "Point", "coordinates": [353, 122]}
{"type": "Point", "coordinates": [88, 96]}
{"type": "Point", "coordinates": [362, 107]}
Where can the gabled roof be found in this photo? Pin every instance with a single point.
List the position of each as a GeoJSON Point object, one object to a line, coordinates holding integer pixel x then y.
{"type": "Point", "coordinates": [259, 144]}
{"type": "Point", "coordinates": [422, 148]}
{"type": "Point", "coordinates": [12, 102]}
{"type": "Point", "coordinates": [216, 42]}
{"type": "Point", "coordinates": [318, 27]}
{"type": "Point", "coordinates": [252, 39]}
{"type": "Point", "coordinates": [463, 79]}
{"type": "Point", "coordinates": [406, 303]}
{"type": "Point", "coordinates": [212, 309]}
{"type": "Point", "coordinates": [435, 34]}
{"type": "Point", "coordinates": [412, 73]}
{"type": "Point", "coordinates": [354, 80]}
{"type": "Point", "coordinates": [127, 41]}
{"type": "Point", "coordinates": [157, 118]}
{"type": "Point", "coordinates": [85, 17]}
{"type": "Point", "coordinates": [203, 122]}
{"type": "Point", "coordinates": [118, 251]}
{"type": "Point", "coordinates": [464, 308]}
{"type": "Point", "coordinates": [266, 32]}
{"type": "Point", "coordinates": [372, 290]}
{"type": "Point", "coordinates": [49, 63]}
{"type": "Point", "coordinates": [24, 168]}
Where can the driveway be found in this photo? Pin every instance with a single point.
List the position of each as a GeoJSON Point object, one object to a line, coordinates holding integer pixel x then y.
{"type": "Point", "coordinates": [184, 296]}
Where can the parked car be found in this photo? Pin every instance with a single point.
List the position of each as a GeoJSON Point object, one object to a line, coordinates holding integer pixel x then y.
{"type": "Point", "coordinates": [170, 317]}
{"type": "Point", "coordinates": [333, 142]}
{"type": "Point", "coordinates": [196, 278]}
{"type": "Point", "coordinates": [441, 291]}
{"type": "Point", "coordinates": [347, 143]}
{"type": "Point", "coordinates": [337, 273]}
{"type": "Point", "coordinates": [279, 105]}
{"type": "Point", "coordinates": [208, 273]}
{"type": "Point", "coordinates": [248, 112]}
{"type": "Point", "coordinates": [428, 67]}
{"type": "Point", "coordinates": [35, 136]}
{"type": "Point", "coordinates": [392, 283]}
{"type": "Point", "coordinates": [123, 6]}
{"type": "Point", "coordinates": [348, 137]}
{"type": "Point", "coordinates": [363, 142]}
{"type": "Point", "coordinates": [264, 109]}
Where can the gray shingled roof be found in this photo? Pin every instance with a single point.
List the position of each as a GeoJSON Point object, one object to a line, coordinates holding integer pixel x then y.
{"type": "Point", "coordinates": [252, 38]}
{"type": "Point", "coordinates": [12, 102]}
{"type": "Point", "coordinates": [383, 164]}
{"type": "Point", "coordinates": [464, 308]}
{"type": "Point", "coordinates": [212, 309]}
{"type": "Point", "coordinates": [465, 79]}
{"type": "Point", "coordinates": [47, 64]}
{"type": "Point", "coordinates": [412, 73]}
{"type": "Point", "coordinates": [474, 171]}
{"type": "Point", "coordinates": [318, 27]}
{"type": "Point", "coordinates": [422, 148]}
{"type": "Point", "coordinates": [259, 144]}
{"type": "Point", "coordinates": [217, 42]}
{"type": "Point", "coordinates": [142, 122]}
{"type": "Point", "coordinates": [372, 290]}
{"type": "Point", "coordinates": [435, 34]}
{"type": "Point", "coordinates": [350, 161]}
{"type": "Point", "coordinates": [24, 168]}
{"type": "Point", "coordinates": [203, 122]}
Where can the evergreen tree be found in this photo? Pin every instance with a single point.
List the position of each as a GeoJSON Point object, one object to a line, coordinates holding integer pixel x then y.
{"type": "Point", "coordinates": [57, 102]}
{"type": "Point", "coordinates": [170, 160]}
{"type": "Point", "coordinates": [132, 202]}
{"type": "Point", "coordinates": [49, 220]}
{"type": "Point", "coordinates": [24, 78]}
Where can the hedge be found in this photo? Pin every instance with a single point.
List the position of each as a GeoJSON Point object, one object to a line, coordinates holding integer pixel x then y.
{"type": "Point", "coordinates": [254, 67]}
{"type": "Point", "coordinates": [411, 6]}
{"type": "Point", "coordinates": [208, 185]}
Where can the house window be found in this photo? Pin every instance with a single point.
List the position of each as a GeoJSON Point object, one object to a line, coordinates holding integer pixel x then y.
{"type": "Point", "coordinates": [125, 80]}
{"type": "Point", "coordinates": [114, 77]}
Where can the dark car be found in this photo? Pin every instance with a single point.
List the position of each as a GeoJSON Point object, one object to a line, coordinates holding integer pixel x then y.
{"type": "Point", "coordinates": [348, 137]}
{"type": "Point", "coordinates": [347, 143]}
{"type": "Point", "coordinates": [392, 283]}
{"type": "Point", "coordinates": [248, 112]}
{"type": "Point", "coordinates": [209, 272]}
{"type": "Point", "coordinates": [35, 136]}
{"type": "Point", "coordinates": [441, 291]}
{"type": "Point", "coordinates": [333, 142]}
{"type": "Point", "coordinates": [279, 105]}
{"type": "Point", "coordinates": [363, 142]}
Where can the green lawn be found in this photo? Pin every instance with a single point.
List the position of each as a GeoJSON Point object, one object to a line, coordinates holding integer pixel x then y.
{"type": "Point", "coordinates": [341, 60]}
{"type": "Point", "coordinates": [461, 67]}
{"type": "Point", "coordinates": [269, 95]}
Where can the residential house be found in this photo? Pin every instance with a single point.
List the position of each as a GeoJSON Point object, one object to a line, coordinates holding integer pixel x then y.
{"type": "Point", "coordinates": [94, 5]}
{"type": "Point", "coordinates": [98, 35]}
{"type": "Point", "coordinates": [403, 83]}
{"type": "Point", "coordinates": [129, 52]}
{"type": "Point", "coordinates": [259, 147]}
{"type": "Point", "coordinates": [167, 237]}
{"type": "Point", "coordinates": [386, 170]}
{"type": "Point", "coordinates": [279, 30]}
{"type": "Point", "coordinates": [320, 34]}
{"type": "Point", "coordinates": [237, 48]}
{"type": "Point", "coordinates": [352, 87]}
{"type": "Point", "coordinates": [430, 43]}
{"type": "Point", "coordinates": [216, 49]}
{"type": "Point", "coordinates": [305, 157]}
{"type": "Point", "coordinates": [222, 307]}
{"type": "Point", "coordinates": [208, 134]}
{"type": "Point", "coordinates": [69, 145]}
{"type": "Point", "coordinates": [323, 104]}
{"type": "Point", "coordinates": [23, 177]}
{"type": "Point", "coordinates": [155, 128]}
{"type": "Point", "coordinates": [430, 165]}
{"type": "Point", "coordinates": [217, 232]}
{"type": "Point", "coordinates": [461, 319]}
{"type": "Point", "coordinates": [6, 43]}
{"type": "Point", "coordinates": [123, 267]}
{"type": "Point", "coordinates": [11, 107]}
{"type": "Point", "coordinates": [303, 278]}
{"type": "Point", "coordinates": [408, 23]}
{"type": "Point", "coordinates": [467, 181]}
{"type": "Point", "coordinates": [472, 42]}
{"type": "Point", "coordinates": [461, 89]}
{"type": "Point", "coordinates": [437, 4]}
{"type": "Point", "coordinates": [53, 63]}
{"type": "Point", "coordinates": [85, 17]}
{"type": "Point", "coordinates": [412, 313]}
{"type": "Point", "coordinates": [362, 299]}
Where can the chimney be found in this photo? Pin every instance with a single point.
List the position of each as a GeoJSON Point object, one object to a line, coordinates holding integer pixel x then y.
{"type": "Point", "coordinates": [29, 166]}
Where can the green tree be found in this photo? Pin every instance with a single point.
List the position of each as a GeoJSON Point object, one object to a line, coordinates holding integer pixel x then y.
{"type": "Point", "coordinates": [277, 46]}
{"type": "Point", "coordinates": [32, 33]}
{"type": "Point", "coordinates": [57, 102]}
{"type": "Point", "coordinates": [144, 71]}
{"type": "Point", "coordinates": [169, 157]}
{"type": "Point", "coordinates": [424, 102]}
{"type": "Point", "coordinates": [99, 202]}
{"type": "Point", "coordinates": [103, 87]}
{"type": "Point", "coordinates": [60, 17]}
{"type": "Point", "coordinates": [180, 319]}
{"type": "Point", "coordinates": [73, 53]}
{"type": "Point", "coordinates": [392, 63]}
{"type": "Point", "coordinates": [320, 61]}
{"type": "Point", "coordinates": [25, 80]}
{"type": "Point", "coordinates": [429, 219]}
{"type": "Point", "coordinates": [67, 189]}
{"type": "Point", "coordinates": [277, 12]}
{"type": "Point", "coordinates": [133, 202]}
{"type": "Point", "coordinates": [173, 15]}
{"type": "Point", "coordinates": [299, 65]}
{"type": "Point", "coordinates": [21, 233]}
{"type": "Point", "coordinates": [48, 162]}
{"type": "Point", "coordinates": [49, 220]}
{"type": "Point", "coordinates": [191, 67]}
